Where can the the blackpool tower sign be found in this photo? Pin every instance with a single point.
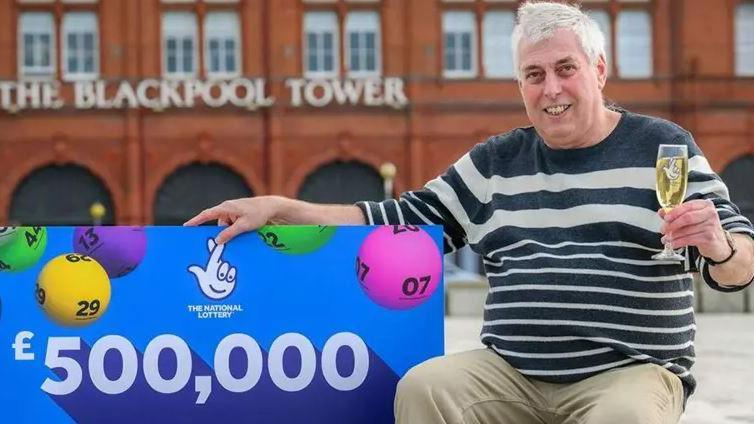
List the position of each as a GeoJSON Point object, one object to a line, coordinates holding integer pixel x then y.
{"type": "Point", "coordinates": [156, 94]}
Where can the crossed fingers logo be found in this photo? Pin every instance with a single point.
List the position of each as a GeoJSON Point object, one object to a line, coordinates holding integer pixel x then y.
{"type": "Point", "coordinates": [217, 278]}
{"type": "Point", "coordinates": [672, 170]}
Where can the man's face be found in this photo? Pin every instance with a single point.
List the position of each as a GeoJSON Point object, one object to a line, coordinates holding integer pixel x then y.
{"type": "Point", "coordinates": [562, 90]}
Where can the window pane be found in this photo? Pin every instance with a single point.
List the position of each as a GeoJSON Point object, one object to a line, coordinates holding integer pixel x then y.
{"type": "Point", "coordinates": [35, 41]}
{"type": "Point", "coordinates": [230, 62]}
{"type": "Point", "coordinates": [466, 42]}
{"type": "Point", "coordinates": [450, 41]}
{"type": "Point", "coordinates": [80, 31]}
{"type": "Point", "coordinates": [44, 45]}
{"type": "Point", "coordinates": [466, 51]}
{"type": "Point", "coordinates": [73, 52]}
{"type": "Point", "coordinates": [327, 43]}
{"type": "Point", "coordinates": [459, 28]}
{"type": "Point", "coordinates": [363, 29]}
{"type": "Point", "coordinates": [745, 39]}
{"type": "Point", "coordinates": [188, 54]}
{"type": "Point", "coordinates": [88, 63]}
{"type": "Point", "coordinates": [371, 60]}
{"type": "Point", "coordinates": [450, 58]}
{"type": "Point", "coordinates": [320, 32]}
{"type": "Point", "coordinates": [28, 50]}
{"type": "Point", "coordinates": [328, 64]}
{"type": "Point", "coordinates": [180, 27]}
{"type": "Point", "coordinates": [171, 55]}
{"type": "Point", "coordinates": [214, 52]}
{"type": "Point", "coordinates": [497, 29]}
{"type": "Point", "coordinates": [230, 55]}
{"type": "Point", "coordinates": [89, 42]}
{"type": "Point", "coordinates": [634, 44]}
{"type": "Point", "coordinates": [371, 52]}
{"type": "Point", "coordinates": [313, 63]}
{"type": "Point", "coordinates": [73, 44]}
{"type": "Point", "coordinates": [223, 28]}
{"type": "Point", "coordinates": [354, 61]}
{"type": "Point", "coordinates": [311, 47]}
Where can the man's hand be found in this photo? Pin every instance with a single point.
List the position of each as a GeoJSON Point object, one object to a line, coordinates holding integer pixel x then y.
{"type": "Point", "coordinates": [695, 223]}
{"type": "Point", "coordinates": [249, 214]}
{"type": "Point", "coordinates": [239, 215]}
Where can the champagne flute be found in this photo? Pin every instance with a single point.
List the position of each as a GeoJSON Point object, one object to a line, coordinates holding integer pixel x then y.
{"type": "Point", "coordinates": [671, 173]}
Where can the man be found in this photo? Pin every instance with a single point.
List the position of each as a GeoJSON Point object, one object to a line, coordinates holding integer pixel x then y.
{"type": "Point", "coordinates": [581, 325]}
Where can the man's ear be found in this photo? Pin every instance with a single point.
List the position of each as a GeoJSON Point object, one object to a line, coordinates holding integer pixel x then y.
{"type": "Point", "coordinates": [601, 71]}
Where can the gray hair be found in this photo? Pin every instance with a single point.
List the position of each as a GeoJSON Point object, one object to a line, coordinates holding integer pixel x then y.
{"type": "Point", "coordinates": [538, 21]}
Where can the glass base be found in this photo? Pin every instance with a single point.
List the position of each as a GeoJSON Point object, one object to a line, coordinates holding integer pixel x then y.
{"type": "Point", "coordinates": [666, 255]}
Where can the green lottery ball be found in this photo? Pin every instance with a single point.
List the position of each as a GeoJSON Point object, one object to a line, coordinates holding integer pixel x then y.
{"type": "Point", "coordinates": [7, 234]}
{"type": "Point", "coordinates": [24, 250]}
{"type": "Point", "coordinates": [296, 239]}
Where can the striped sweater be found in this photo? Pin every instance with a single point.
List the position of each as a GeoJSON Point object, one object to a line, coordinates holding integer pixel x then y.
{"type": "Point", "coordinates": [566, 237]}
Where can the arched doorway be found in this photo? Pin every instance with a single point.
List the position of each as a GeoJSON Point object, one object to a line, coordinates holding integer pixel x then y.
{"type": "Point", "coordinates": [193, 188]}
{"type": "Point", "coordinates": [60, 195]}
{"type": "Point", "coordinates": [738, 176]}
{"type": "Point", "coordinates": [342, 183]}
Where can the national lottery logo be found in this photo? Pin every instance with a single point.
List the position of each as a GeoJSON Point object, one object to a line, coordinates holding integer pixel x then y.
{"type": "Point", "coordinates": [672, 170]}
{"type": "Point", "coordinates": [217, 279]}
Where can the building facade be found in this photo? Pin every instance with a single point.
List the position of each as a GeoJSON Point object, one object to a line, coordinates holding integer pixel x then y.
{"type": "Point", "coordinates": [157, 109]}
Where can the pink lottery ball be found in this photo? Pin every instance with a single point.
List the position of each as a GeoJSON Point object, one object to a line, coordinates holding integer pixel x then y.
{"type": "Point", "coordinates": [399, 266]}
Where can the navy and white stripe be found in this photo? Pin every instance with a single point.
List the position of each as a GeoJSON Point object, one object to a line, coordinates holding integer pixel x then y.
{"type": "Point", "coordinates": [566, 237]}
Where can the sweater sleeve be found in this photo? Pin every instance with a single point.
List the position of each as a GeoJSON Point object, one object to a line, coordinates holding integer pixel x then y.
{"type": "Point", "coordinates": [703, 183]}
{"type": "Point", "coordinates": [451, 200]}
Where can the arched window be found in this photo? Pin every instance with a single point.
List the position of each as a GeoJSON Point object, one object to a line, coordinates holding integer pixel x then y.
{"type": "Point", "coordinates": [342, 183]}
{"type": "Point", "coordinates": [60, 195]}
{"type": "Point", "coordinates": [193, 188]}
{"type": "Point", "coordinates": [738, 176]}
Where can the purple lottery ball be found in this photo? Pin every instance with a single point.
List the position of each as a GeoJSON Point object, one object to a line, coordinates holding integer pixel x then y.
{"type": "Point", "coordinates": [399, 266]}
{"type": "Point", "coordinates": [118, 249]}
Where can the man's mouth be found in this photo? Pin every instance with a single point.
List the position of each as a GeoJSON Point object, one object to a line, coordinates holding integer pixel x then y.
{"type": "Point", "coordinates": [556, 109]}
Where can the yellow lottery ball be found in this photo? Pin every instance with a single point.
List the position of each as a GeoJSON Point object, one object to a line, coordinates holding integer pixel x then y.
{"type": "Point", "coordinates": [73, 290]}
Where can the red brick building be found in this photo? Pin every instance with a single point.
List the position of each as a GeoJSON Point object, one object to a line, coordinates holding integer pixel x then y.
{"type": "Point", "coordinates": [160, 108]}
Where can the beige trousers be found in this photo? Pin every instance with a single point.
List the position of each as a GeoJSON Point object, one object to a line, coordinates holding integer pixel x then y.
{"type": "Point", "coordinates": [481, 387]}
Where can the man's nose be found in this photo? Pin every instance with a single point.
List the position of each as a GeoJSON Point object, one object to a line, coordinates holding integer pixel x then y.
{"type": "Point", "coordinates": [553, 87]}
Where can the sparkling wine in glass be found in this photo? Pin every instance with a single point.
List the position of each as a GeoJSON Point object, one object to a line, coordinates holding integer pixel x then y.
{"type": "Point", "coordinates": [671, 174]}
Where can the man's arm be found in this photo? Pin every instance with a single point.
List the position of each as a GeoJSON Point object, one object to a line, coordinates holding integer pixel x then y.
{"type": "Point", "coordinates": [447, 200]}
{"type": "Point", "coordinates": [697, 223]}
{"type": "Point", "coordinates": [248, 214]}
{"type": "Point", "coordinates": [739, 270]}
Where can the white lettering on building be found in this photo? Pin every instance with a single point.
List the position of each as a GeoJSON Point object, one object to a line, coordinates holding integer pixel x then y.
{"type": "Point", "coordinates": [156, 94]}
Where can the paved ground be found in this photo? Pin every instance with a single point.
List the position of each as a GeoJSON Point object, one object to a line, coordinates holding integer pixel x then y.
{"type": "Point", "coordinates": [724, 368]}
